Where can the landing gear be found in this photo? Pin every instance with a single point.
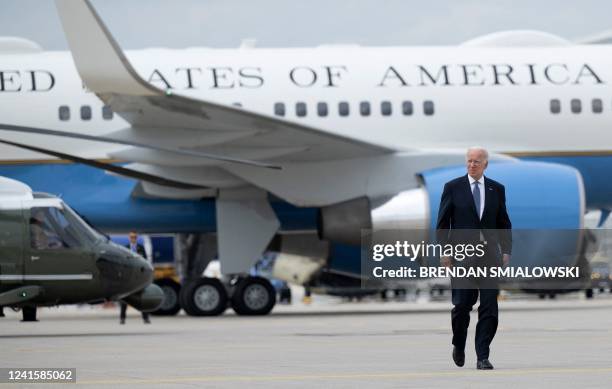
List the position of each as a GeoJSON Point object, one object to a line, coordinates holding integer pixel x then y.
{"type": "Point", "coordinates": [399, 294]}
{"type": "Point", "coordinates": [588, 293]}
{"type": "Point", "coordinates": [253, 296]}
{"type": "Point", "coordinates": [284, 295]}
{"type": "Point", "coordinates": [203, 297]}
{"type": "Point", "coordinates": [29, 313]}
{"type": "Point", "coordinates": [170, 305]}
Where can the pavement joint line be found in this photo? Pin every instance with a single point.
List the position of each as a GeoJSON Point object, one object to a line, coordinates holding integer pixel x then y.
{"type": "Point", "coordinates": [448, 373]}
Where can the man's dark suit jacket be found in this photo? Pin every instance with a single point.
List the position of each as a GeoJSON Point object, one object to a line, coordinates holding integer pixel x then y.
{"type": "Point", "coordinates": [140, 250]}
{"type": "Point", "coordinates": [458, 212]}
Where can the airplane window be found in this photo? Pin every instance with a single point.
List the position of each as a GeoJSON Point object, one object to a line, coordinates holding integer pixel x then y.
{"type": "Point", "coordinates": [86, 112]}
{"type": "Point", "coordinates": [407, 108]}
{"type": "Point", "coordinates": [364, 108]}
{"type": "Point", "coordinates": [428, 107]}
{"type": "Point", "coordinates": [576, 106]}
{"type": "Point", "coordinates": [279, 109]}
{"type": "Point", "coordinates": [555, 106]}
{"type": "Point", "coordinates": [237, 104]}
{"type": "Point", "coordinates": [64, 112]}
{"type": "Point", "coordinates": [343, 108]}
{"type": "Point", "coordinates": [385, 108]}
{"type": "Point", "coordinates": [322, 109]}
{"type": "Point", "coordinates": [107, 113]}
{"type": "Point", "coordinates": [300, 109]}
{"type": "Point", "coordinates": [597, 105]}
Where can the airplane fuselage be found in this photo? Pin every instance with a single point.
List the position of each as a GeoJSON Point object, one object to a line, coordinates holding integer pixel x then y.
{"type": "Point", "coordinates": [540, 102]}
{"type": "Point", "coordinates": [405, 98]}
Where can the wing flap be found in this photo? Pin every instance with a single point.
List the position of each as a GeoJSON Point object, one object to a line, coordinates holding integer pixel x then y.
{"type": "Point", "coordinates": [120, 170]}
{"type": "Point", "coordinates": [127, 142]}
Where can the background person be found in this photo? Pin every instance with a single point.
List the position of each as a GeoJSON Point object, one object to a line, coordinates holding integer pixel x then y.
{"type": "Point", "coordinates": [139, 249]}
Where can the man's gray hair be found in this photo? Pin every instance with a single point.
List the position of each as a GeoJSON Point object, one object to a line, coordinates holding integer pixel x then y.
{"type": "Point", "coordinates": [481, 149]}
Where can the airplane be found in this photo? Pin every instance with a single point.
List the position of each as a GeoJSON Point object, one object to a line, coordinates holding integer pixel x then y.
{"type": "Point", "coordinates": [50, 256]}
{"type": "Point", "coordinates": [253, 143]}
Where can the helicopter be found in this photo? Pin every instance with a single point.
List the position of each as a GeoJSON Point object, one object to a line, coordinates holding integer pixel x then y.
{"type": "Point", "coordinates": [49, 255]}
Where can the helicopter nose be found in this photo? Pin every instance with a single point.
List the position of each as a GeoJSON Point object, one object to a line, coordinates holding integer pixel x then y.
{"type": "Point", "coordinates": [122, 276]}
{"type": "Point", "coordinates": [142, 273]}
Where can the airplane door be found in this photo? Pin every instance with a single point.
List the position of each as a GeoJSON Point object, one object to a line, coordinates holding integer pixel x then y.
{"type": "Point", "coordinates": [12, 228]}
{"type": "Point", "coordinates": [54, 252]}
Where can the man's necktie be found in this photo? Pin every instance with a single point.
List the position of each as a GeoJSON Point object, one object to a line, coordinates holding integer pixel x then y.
{"type": "Point", "coordinates": [476, 194]}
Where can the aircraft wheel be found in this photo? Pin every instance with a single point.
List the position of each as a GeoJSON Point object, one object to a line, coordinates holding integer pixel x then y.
{"type": "Point", "coordinates": [254, 296]}
{"type": "Point", "coordinates": [285, 296]}
{"type": "Point", "coordinates": [171, 305]}
{"type": "Point", "coordinates": [383, 295]}
{"type": "Point", "coordinates": [203, 297]}
{"type": "Point", "coordinates": [29, 313]}
{"type": "Point", "coordinates": [588, 293]}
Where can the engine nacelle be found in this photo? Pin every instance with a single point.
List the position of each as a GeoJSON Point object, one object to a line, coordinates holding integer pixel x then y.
{"type": "Point", "coordinates": [545, 201]}
{"type": "Point", "coordinates": [344, 222]}
{"type": "Point", "coordinates": [538, 195]}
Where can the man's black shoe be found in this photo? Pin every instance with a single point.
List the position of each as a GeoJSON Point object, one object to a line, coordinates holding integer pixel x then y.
{"type": "Point", "coordinates": [484, 364]}
{"type": "Point", "coordinates": [458, 357]}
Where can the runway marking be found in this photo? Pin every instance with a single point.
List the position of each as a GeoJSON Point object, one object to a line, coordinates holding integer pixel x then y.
{"type": "Point", "coordinates": [430, 374]}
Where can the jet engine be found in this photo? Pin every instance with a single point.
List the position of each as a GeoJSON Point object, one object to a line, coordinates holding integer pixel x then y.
{"type": "Point", "coordinates": [545, 201]}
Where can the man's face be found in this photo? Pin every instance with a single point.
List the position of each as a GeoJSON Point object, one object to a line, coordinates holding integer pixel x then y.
{"type": "Point", "coordinates": [133, 237]}
{"type": "Point", "coordinates": [476, 163]}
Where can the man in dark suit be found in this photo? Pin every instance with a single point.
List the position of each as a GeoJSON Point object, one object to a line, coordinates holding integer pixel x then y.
{"type": "Point", "coordinates": [474, 207]}
{"type": "Point", "coordinates": [139, 249]}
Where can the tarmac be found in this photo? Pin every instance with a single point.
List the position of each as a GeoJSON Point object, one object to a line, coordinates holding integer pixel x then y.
{"type": "Point", "coordinates": [561, 343]}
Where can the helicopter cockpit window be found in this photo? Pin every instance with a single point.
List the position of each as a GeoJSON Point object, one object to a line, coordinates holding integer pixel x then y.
{"type": "Point", "coordinates": [80, 225]}
{"type": "Point", "coordinates": [50, 230]}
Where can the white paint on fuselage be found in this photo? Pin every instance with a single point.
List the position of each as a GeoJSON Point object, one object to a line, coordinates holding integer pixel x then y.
{"type": "Point", "coordinates": [504, 117]}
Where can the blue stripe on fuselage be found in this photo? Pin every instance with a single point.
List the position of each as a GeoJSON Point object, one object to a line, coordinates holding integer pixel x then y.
{"type": "Point", "coordinates": [106, 201]}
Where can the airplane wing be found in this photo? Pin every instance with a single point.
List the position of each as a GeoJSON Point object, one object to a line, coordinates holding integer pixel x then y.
{"type": "Point", "coordinates": [198, 124]}
{"type": "Point", "coordinates": [110, 167]}
{"type": "Point", "coordinates": [318, 168]}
